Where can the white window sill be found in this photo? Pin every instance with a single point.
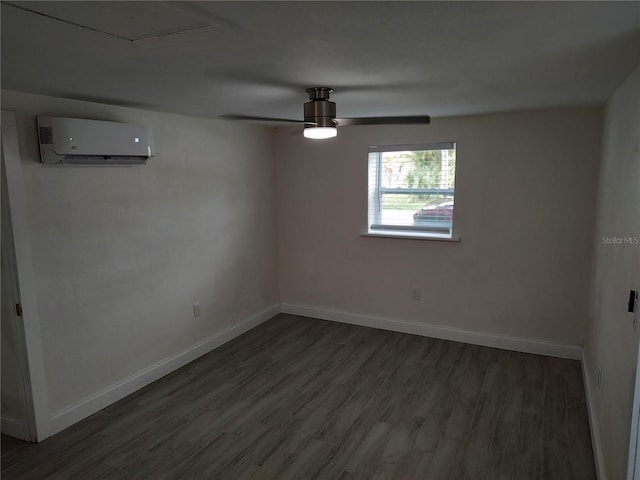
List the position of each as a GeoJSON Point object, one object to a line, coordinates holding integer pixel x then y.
{"type": "Point", "coordinates": [411, 236]}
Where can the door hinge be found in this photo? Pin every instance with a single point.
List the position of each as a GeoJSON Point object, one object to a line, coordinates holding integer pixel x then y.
{"type": "Point", "coordinates": [19, 309]}
{"type": "Point", "coordinates": [633, 299]}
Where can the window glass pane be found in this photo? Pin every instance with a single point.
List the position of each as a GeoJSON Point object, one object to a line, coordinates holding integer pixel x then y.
{"type": "Point", "coordinates": [412, 189]}
{"type": "Point", "coordinates": [420, 211]}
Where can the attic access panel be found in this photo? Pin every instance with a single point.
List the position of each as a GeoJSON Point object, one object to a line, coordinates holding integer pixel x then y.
{"type": "Point", "coordinates": [127, 20]}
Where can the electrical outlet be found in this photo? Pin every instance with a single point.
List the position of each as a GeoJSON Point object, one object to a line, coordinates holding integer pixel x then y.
{"type": "Point", "coordinates": [599, 377]}
{"type": "Point", "coordinates": [415, 293]}
{"type": "Point", "coordinates": [196, 309]}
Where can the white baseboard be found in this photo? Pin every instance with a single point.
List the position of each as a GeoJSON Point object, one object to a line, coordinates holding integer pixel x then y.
{"type": "Point", "coordinates": [13, 427]}
{"type": "Point", "coordinates": [505, 342]}
{"type": "Point", "coordinates": [596, 442]}
{"type": "Point", "coordinates": [96, 402]}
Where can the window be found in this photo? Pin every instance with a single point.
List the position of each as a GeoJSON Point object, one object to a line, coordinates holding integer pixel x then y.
{"type": "Point", "coordinates": [412, 189]}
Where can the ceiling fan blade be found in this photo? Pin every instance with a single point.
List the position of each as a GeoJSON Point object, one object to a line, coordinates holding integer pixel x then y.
{"type": "Point", "coordinates": [343, 122]}
{"type": "Point", "coordinates": [263, 119]}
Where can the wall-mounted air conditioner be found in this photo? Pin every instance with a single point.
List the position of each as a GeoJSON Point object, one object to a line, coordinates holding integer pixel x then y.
{"type": "Point", "coordinates": [79, 141]}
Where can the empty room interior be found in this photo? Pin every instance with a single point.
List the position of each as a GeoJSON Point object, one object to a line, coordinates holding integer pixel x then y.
{"type": "Point", "coordinates": [332, 240]}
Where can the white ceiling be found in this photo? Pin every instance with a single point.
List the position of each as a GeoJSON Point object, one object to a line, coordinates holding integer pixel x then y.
{"type": "Point", "coordinates": [382, 58]}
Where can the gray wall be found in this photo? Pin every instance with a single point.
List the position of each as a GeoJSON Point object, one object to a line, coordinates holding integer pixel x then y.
{"type": "Point", "coordinates": [525, 194]}
{"type": "Point", "coordinates": [121, 253]}
{"type": "Point", "coordinates": [612, 343]}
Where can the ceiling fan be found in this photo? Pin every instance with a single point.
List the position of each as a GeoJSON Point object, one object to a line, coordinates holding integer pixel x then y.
{"type": "Point", "coordinates": [320, 116]}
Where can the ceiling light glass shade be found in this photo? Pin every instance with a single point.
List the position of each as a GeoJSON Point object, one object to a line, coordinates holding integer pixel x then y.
{"type": "Point", "coordinates": [319, 133]}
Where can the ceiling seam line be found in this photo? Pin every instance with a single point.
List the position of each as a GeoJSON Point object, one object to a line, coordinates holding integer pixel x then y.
{"type": "Point", "coordinates": [168, 34]}
{"type": "Point", "coordinates": [66, 21]}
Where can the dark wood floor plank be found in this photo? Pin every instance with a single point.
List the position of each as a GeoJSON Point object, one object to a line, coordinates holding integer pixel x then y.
{"type": "Point", "coordinates": [308, 399]}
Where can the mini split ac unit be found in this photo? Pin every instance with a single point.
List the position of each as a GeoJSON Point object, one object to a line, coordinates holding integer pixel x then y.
{"type": "Point", "coordinates": [78, 141]}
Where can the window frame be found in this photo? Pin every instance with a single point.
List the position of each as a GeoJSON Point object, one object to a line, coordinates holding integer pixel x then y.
{"type": "Point", "coordinates": [375, 227]}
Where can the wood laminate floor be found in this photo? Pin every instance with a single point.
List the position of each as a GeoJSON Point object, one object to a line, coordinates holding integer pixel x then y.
{"type": "Point", "coordinates": [298, 398]}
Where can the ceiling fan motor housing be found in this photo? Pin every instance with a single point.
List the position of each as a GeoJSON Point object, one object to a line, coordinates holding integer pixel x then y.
{"type": "Point", "coordinates": [320, 110]}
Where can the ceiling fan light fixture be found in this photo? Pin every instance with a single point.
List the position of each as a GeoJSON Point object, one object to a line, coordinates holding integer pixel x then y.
{"type": "Point", "coordinates": [320, 113]}
{"type": "Point", "coordinates": [320, 133]}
